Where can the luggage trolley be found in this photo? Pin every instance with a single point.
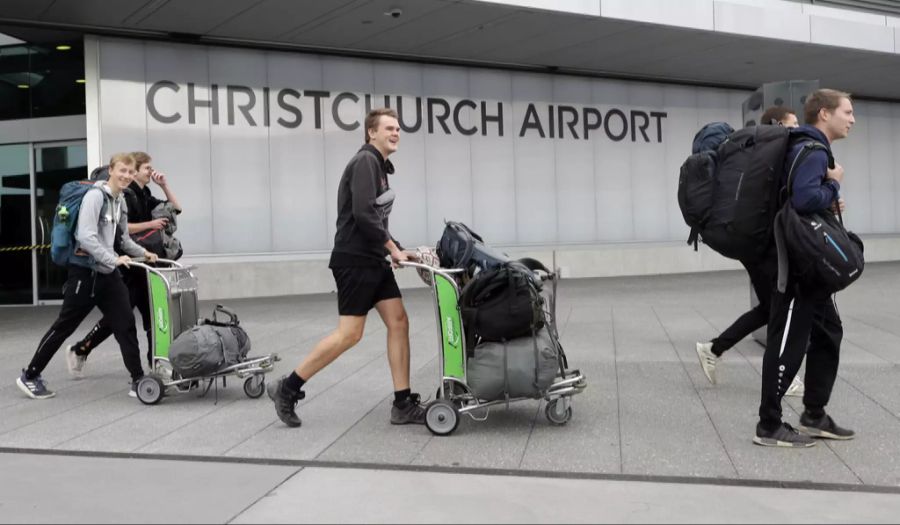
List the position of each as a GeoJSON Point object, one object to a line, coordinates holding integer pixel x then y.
{"type": "Point", "coordinates": [454, 396]}
{"type": "Point", "coordinates": [173, 306]}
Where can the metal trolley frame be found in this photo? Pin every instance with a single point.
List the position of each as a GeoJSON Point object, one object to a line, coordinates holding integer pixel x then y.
{"type": "Point", "coordinates": [173, 306]}
{"type": "Point", "coordinates": [454, 396]}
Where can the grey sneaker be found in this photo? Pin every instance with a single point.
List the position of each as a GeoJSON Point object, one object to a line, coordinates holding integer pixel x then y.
{"type": "Point", "coordinates": [75, 362]}
{"type": "Point", "coordinates": [410, 411]}
{"type": "Point", "coordinates": [824, 427]}
{"type": "Point", "coordinates": [708, 360]}
{"type": "Point", "coordinates": [797, 388]}
{"type": "Point", "coordinates": [34, 388]}
{"type": "Point", "coordinates": [285, 402]}
{"type": "Point", "coordinates": [783, 436]}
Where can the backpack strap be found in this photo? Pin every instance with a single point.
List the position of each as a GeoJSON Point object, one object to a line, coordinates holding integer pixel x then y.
{"type": "Point", "coordinates": [806, 151]}
{"type": "Point", "coordinates": [694, 237]}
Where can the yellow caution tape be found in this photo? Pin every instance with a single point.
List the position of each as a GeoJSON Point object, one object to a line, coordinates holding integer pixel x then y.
{"type": "Point", "coordinates": [25, 248]}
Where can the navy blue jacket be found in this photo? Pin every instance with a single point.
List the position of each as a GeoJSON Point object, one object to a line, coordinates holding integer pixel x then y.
{"type": "Point", "coordinates": [812, 191]}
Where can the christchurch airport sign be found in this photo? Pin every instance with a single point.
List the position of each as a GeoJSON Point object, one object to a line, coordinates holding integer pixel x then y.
{"type": "Point", "coordinates": [430, 114]}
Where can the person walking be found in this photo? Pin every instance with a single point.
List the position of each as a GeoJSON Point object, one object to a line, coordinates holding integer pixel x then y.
{"type": "Point", "coordinates": [363, 275]}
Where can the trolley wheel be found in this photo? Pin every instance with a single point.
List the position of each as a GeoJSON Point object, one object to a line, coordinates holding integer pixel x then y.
{"type": "Point", "coordinates": [558, 412]}
{"type": "Point", "coordinates": [150, 390]}
{"type": "Point", "coordinates": [441, 417]}
{"type": "Point", "coordinates": [255, 386]}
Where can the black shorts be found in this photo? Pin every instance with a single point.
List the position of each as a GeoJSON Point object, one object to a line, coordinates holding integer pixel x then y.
{"type": "Point", "coordinates": [359, 288]}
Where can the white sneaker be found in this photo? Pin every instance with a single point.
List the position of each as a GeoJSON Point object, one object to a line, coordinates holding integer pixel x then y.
{"type": "Point", "coordinates": [708, 360]}
{"type": "Point", "coordinates": [75, 362]}
{"type": "Point", "coordinates": [796, 389]}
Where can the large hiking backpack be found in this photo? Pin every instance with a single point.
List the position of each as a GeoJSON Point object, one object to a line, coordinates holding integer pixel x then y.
{"type": "Point", "coordinates": [460, 247]}
{"type": "Point", "coordinates": [210, 346]}
{"type": "Point", "coordinates": [815, 248]}
{"type": "Point", "coordinates": [744, 192]}
{"type": "Point", "coordinates": [65, 221]}
{"type": "Point", "coordinates": [696, 181]}
{"type": "Point", "coordinates": [501, 304]}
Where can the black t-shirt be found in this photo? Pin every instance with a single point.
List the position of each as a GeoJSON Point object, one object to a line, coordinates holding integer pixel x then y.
{"type": "Point", "coordinates": [140, 203]}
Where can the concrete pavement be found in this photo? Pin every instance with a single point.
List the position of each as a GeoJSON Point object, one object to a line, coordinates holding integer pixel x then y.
{"type": "Point", "coordinates": [648, 414]}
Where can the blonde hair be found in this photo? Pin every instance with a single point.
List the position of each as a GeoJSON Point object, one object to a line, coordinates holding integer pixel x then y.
{"type": "Point", "coordinates": [124, 158]}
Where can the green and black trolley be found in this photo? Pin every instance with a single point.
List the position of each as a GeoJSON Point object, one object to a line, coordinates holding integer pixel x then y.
{"type": "Point", "coordinates": [174, 310]}
{"type": "Point", "coordinates": [454, 395]}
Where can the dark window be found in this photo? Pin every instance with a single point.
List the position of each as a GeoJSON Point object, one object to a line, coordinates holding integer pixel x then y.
{"type": "Point", "coordinates": [41, 80]}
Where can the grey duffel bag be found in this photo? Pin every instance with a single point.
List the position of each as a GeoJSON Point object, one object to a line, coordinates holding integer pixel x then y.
{"type": "Point", "coordinates": [210, 346]}
{"type": "Point", "coordinates": [522, 367]}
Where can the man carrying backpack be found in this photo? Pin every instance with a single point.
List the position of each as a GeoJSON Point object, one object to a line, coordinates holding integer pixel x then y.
{"type": "Point", "coordinates": [802, 316]}
{"type": "Point", "coordinates": [762, 276]}
{"type": "Point", "coordinates": [140, 203]}
{"type": "Point", "coordinates": [363, 276]}
{"type": "Point", "coordinates": [94, 278]}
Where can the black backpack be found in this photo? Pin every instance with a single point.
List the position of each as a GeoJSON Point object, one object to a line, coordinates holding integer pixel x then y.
{"type": "Point", "coordinates": [460, 247]}
{"type": "Point", "coordinates": [501, 303]}
{"type": "Point", "coordinates": [815, 248]}
{"type": "Point", "coordinates": [99, 173]}
{"type": "Point", "coordinates": [733, 212]}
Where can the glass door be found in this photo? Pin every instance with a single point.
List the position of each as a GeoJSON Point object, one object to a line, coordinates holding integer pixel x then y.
{"type": "Point", "coordinates": [54, 164]}
{"type": "Point", "coordinates": [16, 276]}
{"type": "Point", "coordinates": [30, 179]}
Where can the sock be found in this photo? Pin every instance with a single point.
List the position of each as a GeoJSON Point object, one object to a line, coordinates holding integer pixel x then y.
{"type": "Point", "coordinates": [401, 395]}
{"type": "Point", "coordinates": [80, 349]}
{"type": "Point", "coordinates": [293, 382]}
{"type": "Point", "coordinates": [715, 349]}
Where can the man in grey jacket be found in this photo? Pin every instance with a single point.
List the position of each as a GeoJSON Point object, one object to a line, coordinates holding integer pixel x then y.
{"type": "Point", "coordinates": [94, 278]}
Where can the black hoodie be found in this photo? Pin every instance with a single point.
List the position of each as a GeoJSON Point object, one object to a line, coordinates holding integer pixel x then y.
{"type": "Point", "coordinates": [364, 203]}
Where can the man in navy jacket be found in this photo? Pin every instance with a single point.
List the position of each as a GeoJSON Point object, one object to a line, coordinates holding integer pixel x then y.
{"type": "Point", "coordinates": [806, 321]}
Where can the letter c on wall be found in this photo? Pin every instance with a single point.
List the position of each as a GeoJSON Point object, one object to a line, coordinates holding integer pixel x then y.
{"type": "Point", "coordinates": [151, 101]}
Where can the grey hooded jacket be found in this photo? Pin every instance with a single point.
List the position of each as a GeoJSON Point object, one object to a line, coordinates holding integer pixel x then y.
{"type": "Point", "coordinates": [100, 218]}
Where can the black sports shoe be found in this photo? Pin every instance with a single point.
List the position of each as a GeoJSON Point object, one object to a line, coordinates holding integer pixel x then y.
{"type": "Point", "coordinates": [783, 436]}
{"type": "Point", "coordinates": [285, 402]}
{"type": "Point", "coordinates": [410, 411]}
{"type": "Point", "coordinates": [823, 427]}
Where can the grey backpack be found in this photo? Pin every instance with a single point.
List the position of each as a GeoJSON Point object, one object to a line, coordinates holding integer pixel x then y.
{"type": "Point", "coordinates": [210, 346]}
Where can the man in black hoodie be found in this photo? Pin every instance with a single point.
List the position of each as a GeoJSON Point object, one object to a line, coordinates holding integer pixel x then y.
{"type": "Point", "coordinates": [363, 275]}
{"type": "Point", "coordinates": [806, 321]}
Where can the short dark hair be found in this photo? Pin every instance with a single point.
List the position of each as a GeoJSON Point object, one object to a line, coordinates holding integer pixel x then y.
{"type": "Point", "coordinates": [821, 99]}
{"type": "Point", "coordinates": [140, 158]}
{"type": "Point", "coordinates": [776, 114]}
{"type": "Point", "coordinates": [374, 117]}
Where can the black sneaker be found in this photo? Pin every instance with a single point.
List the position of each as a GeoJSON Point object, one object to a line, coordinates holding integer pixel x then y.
{"type": "Point", "coordinates": [823, 427]}
{"type": "Point", "coordinates": [410, 411]}
{"type": "Point", "coordinates": [285, 402]}
{"type": "Point", "coordinates": [783, 436]}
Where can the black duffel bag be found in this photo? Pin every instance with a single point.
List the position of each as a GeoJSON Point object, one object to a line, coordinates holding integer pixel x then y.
{"type": "Point", "coordinates": [501, 304]}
